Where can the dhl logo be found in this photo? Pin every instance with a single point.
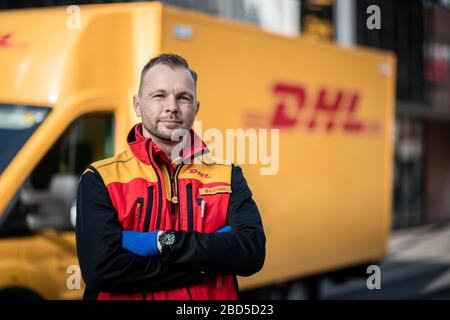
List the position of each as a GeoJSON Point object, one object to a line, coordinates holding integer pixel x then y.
{"type": "Point", "coordinates": [328, 110]}
{"type": "Point", "coordinates": [201, 174]}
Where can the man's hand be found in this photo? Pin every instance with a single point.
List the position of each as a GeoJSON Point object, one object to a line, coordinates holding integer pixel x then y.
{"type": "Point", "coordinates": [146, 243]}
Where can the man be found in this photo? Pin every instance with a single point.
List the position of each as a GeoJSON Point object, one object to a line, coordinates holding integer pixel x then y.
{"type": "Point", "coordinates": [154, 224]}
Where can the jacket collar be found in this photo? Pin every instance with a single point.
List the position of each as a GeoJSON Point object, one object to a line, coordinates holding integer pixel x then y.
{"type": "Point", "coordinates": [145, 149]}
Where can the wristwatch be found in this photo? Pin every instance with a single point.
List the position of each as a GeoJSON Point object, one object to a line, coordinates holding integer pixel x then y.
{"type": "Point", "coordinates": [167, 239]}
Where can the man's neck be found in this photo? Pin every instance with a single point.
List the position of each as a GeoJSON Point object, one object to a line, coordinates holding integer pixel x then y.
{"type": "Point", "coordinates": [165, 145]}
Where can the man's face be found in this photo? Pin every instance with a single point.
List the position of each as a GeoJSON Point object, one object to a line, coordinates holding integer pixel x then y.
{"type": "Point", "coordinates": [167, 101]}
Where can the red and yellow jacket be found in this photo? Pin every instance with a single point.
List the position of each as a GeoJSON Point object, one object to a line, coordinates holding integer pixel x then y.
{"type": "Point", "coordinates": [141, 189]}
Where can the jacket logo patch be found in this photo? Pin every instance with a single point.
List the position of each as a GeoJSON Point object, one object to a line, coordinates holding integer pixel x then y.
{"type": "Point", "coordinates": [214, 190]}
{"type": "Point", "coordinates": [201, 174]}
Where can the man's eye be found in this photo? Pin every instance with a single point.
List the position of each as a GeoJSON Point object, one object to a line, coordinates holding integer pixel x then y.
{"type": "Point", "coordinates": [158, 96]}
{"type": "Point", "coordinates": [186, 98]}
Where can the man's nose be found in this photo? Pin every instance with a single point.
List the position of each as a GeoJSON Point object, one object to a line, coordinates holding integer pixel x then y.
{"type": "Point", "coordinates": [171, 104]}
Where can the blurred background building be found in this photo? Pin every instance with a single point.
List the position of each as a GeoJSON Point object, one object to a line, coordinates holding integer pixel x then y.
{"type": "Point", "coordinates": [419, 34]}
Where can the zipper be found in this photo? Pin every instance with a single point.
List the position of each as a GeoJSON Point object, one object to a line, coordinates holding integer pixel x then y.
{"type": "Point", "coordinates": [158, 219]}
{"type": "Point", "coordinates": [175, 181]}
{"type": "Point", "coordinates": [139, 205]}
{"type": "Point", "coordinates": [175, 199]}
{"type": "Point", "coordinates": [149, 208]}
{"type": "Point", "coordinates": [159, 188]}
{"type": "Point", "coordinates": [190, 208]}
{"type": "Point", "coordinates": [173, 206]}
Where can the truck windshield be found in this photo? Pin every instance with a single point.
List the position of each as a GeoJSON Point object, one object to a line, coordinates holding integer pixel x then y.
{"type": "Point", "coordinates": [17, 124]}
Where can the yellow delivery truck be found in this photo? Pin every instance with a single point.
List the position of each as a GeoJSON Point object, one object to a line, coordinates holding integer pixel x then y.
{"type": "Point", "coordinates": [318, 117]}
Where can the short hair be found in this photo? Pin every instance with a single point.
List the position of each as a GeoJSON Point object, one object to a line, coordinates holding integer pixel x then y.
{"type": "Point", "coordinates": [169, 59]}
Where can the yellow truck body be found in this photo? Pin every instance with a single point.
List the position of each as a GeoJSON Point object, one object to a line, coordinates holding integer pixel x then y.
{"type": "Point", "coordinates": [326, 205]}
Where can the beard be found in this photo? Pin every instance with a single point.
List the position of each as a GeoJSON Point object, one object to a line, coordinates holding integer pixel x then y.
{"type": "Point", "coordinates": [167, 135]}
{"type": "Point", "coordinates": [155, 132]}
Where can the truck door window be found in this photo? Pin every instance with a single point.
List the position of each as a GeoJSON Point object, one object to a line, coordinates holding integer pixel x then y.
{"type": "Point", "coordinates": [88, 139]}
{"type": "Point", "coordinates": [17, 124]}
{"type": "Point", "coordinates": [47, 198]}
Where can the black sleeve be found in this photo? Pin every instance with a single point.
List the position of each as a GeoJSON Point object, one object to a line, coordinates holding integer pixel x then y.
{"type": "Point", "coordinates": [105, 265]}
{"type": "Point", "coordinates": [240, 251]}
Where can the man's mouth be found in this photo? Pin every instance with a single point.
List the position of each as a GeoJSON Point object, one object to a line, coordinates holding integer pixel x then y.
{"type": "Point", "coordinates": [170, 123]}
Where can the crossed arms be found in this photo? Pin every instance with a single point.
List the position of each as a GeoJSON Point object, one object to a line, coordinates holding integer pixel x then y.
{"type": "Point", "coordinates": [108, 266]}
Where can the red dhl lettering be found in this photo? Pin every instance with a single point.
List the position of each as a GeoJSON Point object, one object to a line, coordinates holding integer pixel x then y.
{"type": "Point", "coordinates": [201, 174]}
{"type": "Point", "coordinates": [329, 110]}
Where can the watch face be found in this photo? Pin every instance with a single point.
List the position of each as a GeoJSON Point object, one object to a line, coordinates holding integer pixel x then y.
{"type": "Point", "coordinates": [168, 239]}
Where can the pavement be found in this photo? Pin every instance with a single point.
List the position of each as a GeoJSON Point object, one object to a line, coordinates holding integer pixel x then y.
{"type": "Point", "coordinates": [417, 267]}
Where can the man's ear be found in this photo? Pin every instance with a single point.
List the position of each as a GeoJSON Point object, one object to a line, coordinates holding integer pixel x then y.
{"type": "Point", "coordinates": [136, 105]}
{"type": "Point", "coordinates": [198, 107]}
